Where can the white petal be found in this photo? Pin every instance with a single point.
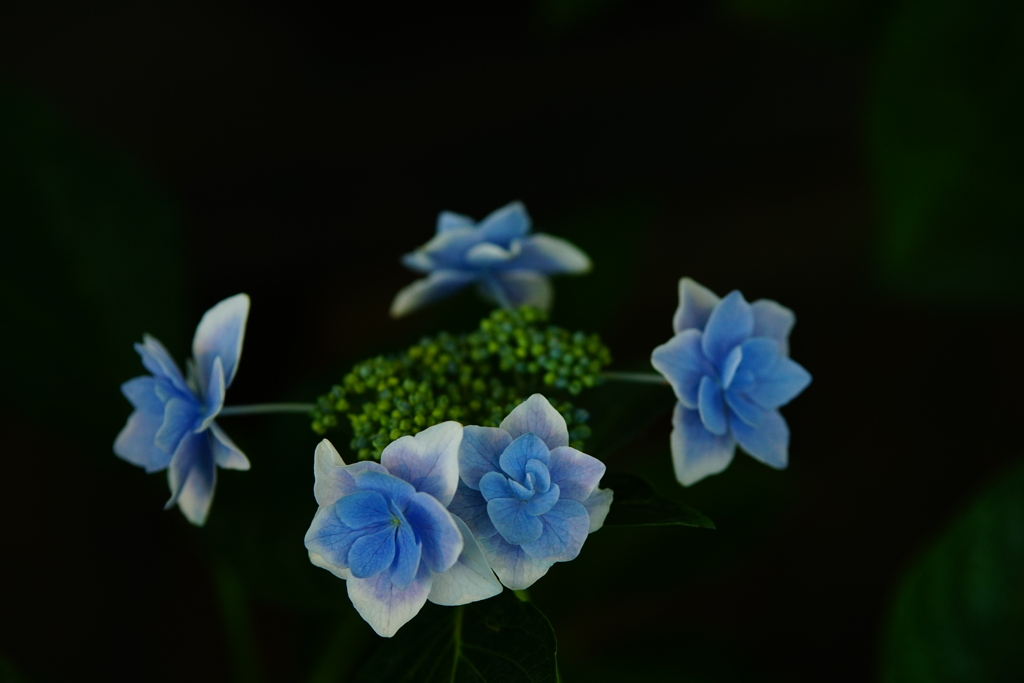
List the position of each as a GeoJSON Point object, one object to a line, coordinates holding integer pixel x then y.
{"type": "Point", "coordinates": [537, 416]}
{"type": "Point", "coordinates": [429, 460]}
{"type": "Point", "coordinates": [221, 332]}
{"type": "Point", "coordinates": [471, 578]}
{"type": "Point", "coordinates": [384, 607]}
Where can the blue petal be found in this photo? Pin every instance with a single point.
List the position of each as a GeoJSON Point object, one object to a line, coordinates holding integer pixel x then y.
{"type": "Point", "coordinates": [745, 409]}
{"type": "Point", "coordinates": [512, 520]}
{"type": "Point", "coordinates": [141, 393]}
{"type": "Point", "coordinates": [332, 478]}
{"type": "Point", "coordinates": [488, 255]}
{"type": "Point", "coordinates": [429, 461]}
{"type": "Point", "coordinates": [515, 567]}
{"type": "Point", "coordinates": [225, 453]}
{"type": "Point", "coordinates": [730, 324]}
{"type": "Point", "coordinates": [156, 359]}
{"type": "Point", "coordinates": [540, 474]}
{"type": "Point", "coordinates": [537, 416]}
{"type": "Point", "coordinates": [408, 551]}
{"type": "Point", "coordinates": [695, 305]}
{"type": "Point", "coordinates": [181, 417]}
{"type": "Point", "coordinates": [384, 606]}
{"type": "Point", "coordinates": [760, 354]}
{"type": "Point", "coordinates": [220, 333]}
{"type": "Point", "coordinates": [471, 507]}
{"type": "Point", "coordinates": [524, 288]}
{"type": "Point", "coordinates": [372, 552]}
{"type": "Point", "coordinates": [480, 451]}
{"type": "Point", "coordinates": [192, 475]}
{"type": "Point", "coordinates": [524, 449]}
{"type": "Point", "coordinates": [496, 485]}
{"type": "Point", "coordinates": [769, 442]}
{"type": "Point", "coordinates": [364, 509]}
{"type": "Point", "coordinates": [576, 474]}
{"type": "Point", "coordinates": [731, 363]}
{"type": "Point", "coordinates": [447, 250]}
{"type": "Point", "coordinates": [696, 452]}
{"type": "Point", "coordinates": [448, 220]}
{"type": "Point", "coordinates": [214, 394]}
{"type": "Point", "coordinates": [398, 490]}
{"type": "Point", "coordinates": [682, 362]}
{"type": "Point", "coordinates": [436, 530]}
{"type": "Point", "coordinates": [438, 285]}
{"type": "Point", "coordinates": [712, 407]}
{"type": "Point", "coordinates": [331, 538]}
{"type": "Point", "coordinates": [469, 579]}
{"type": "Point", "coordinates": [773, 320]}
{"type": "Point", "coordinates": [505, 224]}
{"type": "Point", "coordinates": [420, 261]}
{"type": "Point", "coordinates": [566, 527]}
{"type": "Point", "coordinates": [598, 505]}
{"type": "Point", "coordinates": [542, 502]}
{"type": "Point", "coordinates": [551, 255]}
{"type": "Point", "coordinates": [779, 385]}
{"type": "Point", "coordinates": [136, 442]}
{"type": "Point", "coordinates": [519, 491]}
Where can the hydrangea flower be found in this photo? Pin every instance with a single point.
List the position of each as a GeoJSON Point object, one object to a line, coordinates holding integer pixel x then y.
{"type": "Point", "coordinates": [529, 498]}
{"type": "Point", "coordinates": [499, 254]}
{"type": "Point", "coordinates": [383, 527]}
{"type": "Point", "coordinates": [730, 369]}
{"type": "Point", "coordinates": [173, 424]}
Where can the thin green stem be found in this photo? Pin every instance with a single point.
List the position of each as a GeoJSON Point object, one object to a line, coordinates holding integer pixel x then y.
{"type": "Point", "coordinates": [642, 377]}
{"type": "Point", "coordinates": [457, 642]}
{"type": "Point", "coordinates": [264, 408]}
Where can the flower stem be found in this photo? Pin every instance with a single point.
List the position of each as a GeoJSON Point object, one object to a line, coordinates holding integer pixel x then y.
{"type": "Point", "coordinates": [263, 408]}
{"type": "Point", "coordinates": [457, 641]}
{"type": "Point", "coordinates": [643, 377]}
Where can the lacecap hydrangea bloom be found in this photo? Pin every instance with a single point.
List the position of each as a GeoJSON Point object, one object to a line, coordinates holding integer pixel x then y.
{"type": "Point", "coordinates": [529, 499]}
{"type": "Point", "coordinates": [730, 369]}
{"type": "Point", "coordinates": [499, 254]}
{"type": "Point", "coordinates": [383, 527]}
{"type": "Point", "coordinates": [173, 424]}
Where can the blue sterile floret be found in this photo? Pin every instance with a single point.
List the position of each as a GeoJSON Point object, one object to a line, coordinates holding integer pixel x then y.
{"type": "Point", "coordinates": [383, 527]}
{"type": "Point", "coordinates": [528, 497]}
{"type": "Point", "coordinates": [173, 424]}
{"type": "Point", "coordinates": [499, 254]}
{"type": "Point", "coordinates": [730, 369]}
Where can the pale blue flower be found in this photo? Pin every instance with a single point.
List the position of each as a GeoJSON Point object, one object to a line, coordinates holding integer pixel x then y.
{"type": "Point", "coordinates": [173, 424]}
{"type": "Point", "coordinates": [529, 498]}
{"type": "Point", "coordinates": [383, 527]}
{"type": "Point", "coordinates": [730, 369]}
{"type": "Point", "coordinates": [499, 254]}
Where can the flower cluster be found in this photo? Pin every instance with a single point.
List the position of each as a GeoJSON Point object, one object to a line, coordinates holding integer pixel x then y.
{"type": "Point", "coordinates": [499, 254]}
{"type": "Point", "coordinates": [173, 425]}
{"type": "Point", "coordinates": [385, 529]}
{"type": "Point", "coordinates": [730, 369]}
{"type": "Point", "coordinates": [476, 378]}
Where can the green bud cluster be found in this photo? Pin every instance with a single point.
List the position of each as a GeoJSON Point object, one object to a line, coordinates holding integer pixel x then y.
{"type": "Point", "coordinates": [475, 378]}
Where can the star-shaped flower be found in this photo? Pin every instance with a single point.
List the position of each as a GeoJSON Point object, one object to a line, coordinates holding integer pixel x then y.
{"type": "Point", "coordinates": [383, 527]}
{"type": "Point", "coordinates": [730, 369]}
{"type": "Point", "coordinates": [529, 498]}
{"type": "Point", "coordinates": [173, 424]}
{"type": "Point", "coordinates": [499, 254]}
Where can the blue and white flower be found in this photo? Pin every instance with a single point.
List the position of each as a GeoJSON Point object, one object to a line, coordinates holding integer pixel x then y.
{"type": "Point", "coordinates": [499, 254]}
{"type": "Point", "coordinates": [730, 369]}
{"type": "Point", "coordinates": [529, 498]}
{"type": "Point", "coordinates": [383, 527]}
{"type": "Point", "coordinates": [173, 424]}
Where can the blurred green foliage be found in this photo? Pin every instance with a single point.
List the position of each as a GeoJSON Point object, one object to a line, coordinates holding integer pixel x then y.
{"type": "Point", "coordinates": [959, 613]}
{"type": "Point", "coordinates": [947, 143]}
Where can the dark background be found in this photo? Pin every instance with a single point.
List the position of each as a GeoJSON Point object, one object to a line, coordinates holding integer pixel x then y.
{"type": "Point", "coordinates": [857, 161]}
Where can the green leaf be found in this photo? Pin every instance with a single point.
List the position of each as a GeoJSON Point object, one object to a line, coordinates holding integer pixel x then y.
{"type": "Point", "coordinates": [621, 411]}
{"type": "Point", "coordinates": [959, 613]}
{"type": "Point", "coordinates": [501, 640]}
{"type": "Point", "coordinates": [636, 504]}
